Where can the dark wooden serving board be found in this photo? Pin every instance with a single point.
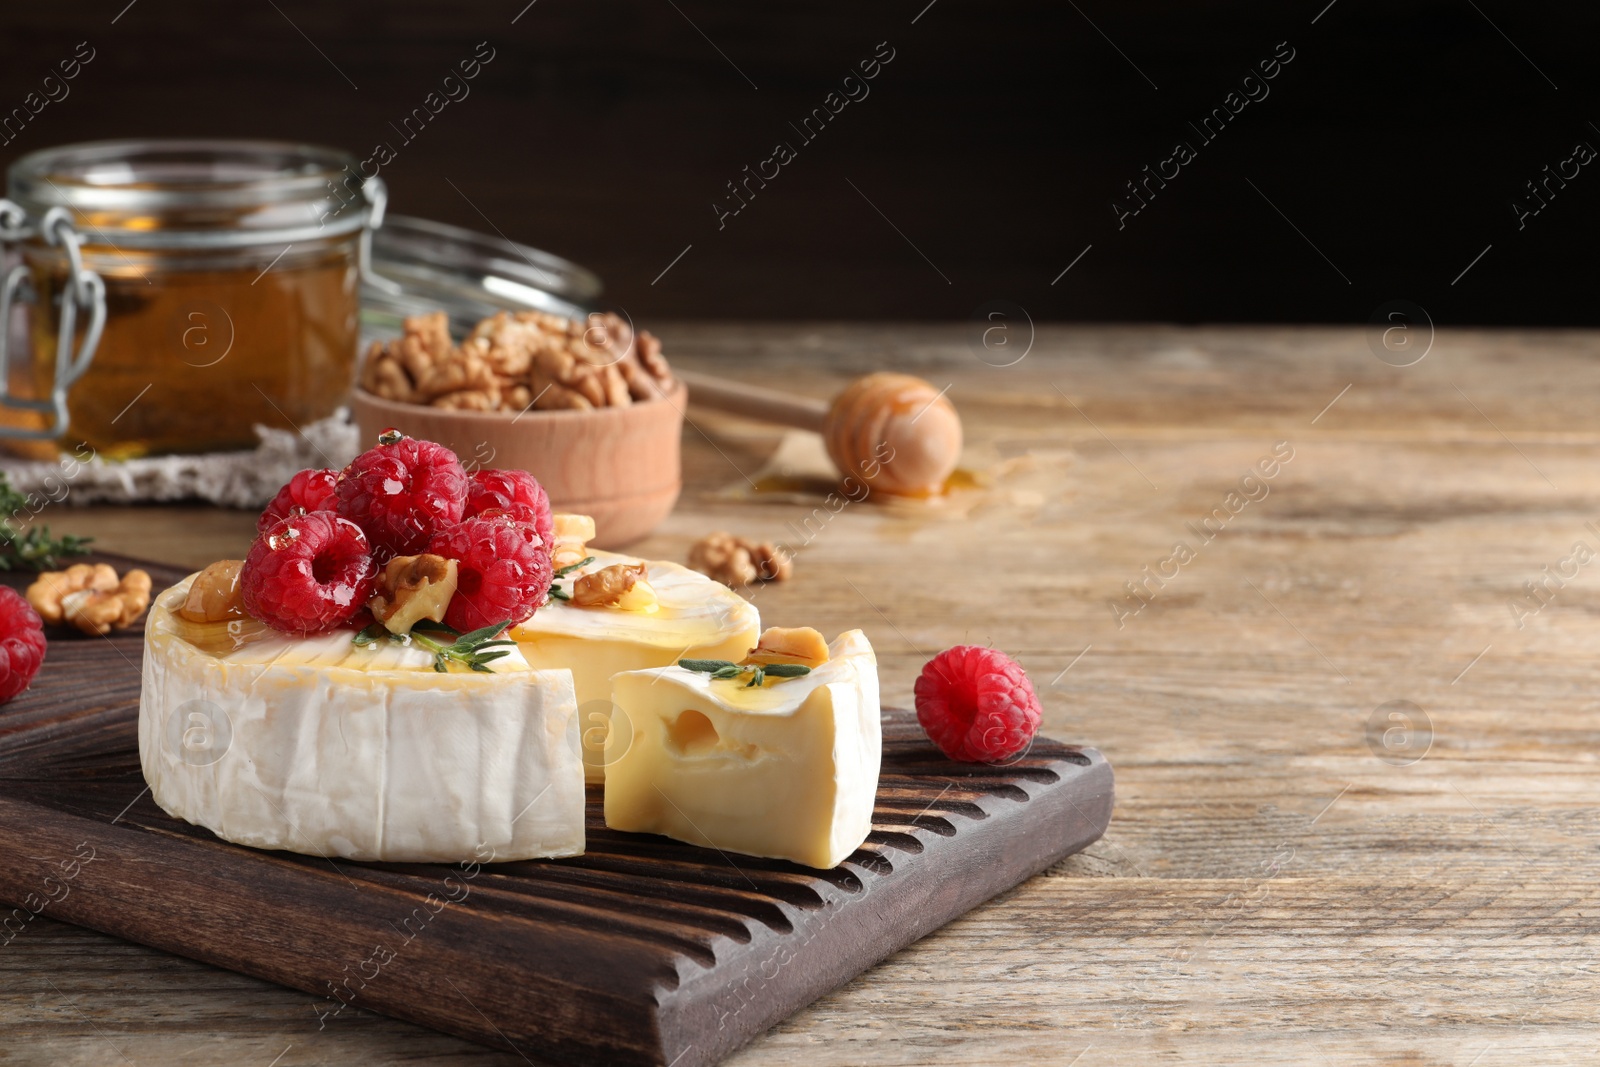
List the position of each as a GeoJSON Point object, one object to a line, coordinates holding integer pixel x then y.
{"type": "Point", "coordinates": [642, 951]}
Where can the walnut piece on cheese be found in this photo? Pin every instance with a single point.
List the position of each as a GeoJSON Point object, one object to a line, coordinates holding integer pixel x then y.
{"type": "Point", "coordinates": [790, 644]}
{"type": "Point", "coordinates": [572, 534]}
{"type": "Point", "coordinates": [621, 585]}
{"type": "Point", "coordinates": [215, 594]}
{"type": "Point", "coordinates": [412, 588]}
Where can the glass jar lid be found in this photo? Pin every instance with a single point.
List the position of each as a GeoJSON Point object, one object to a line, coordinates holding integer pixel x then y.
{"type": "Point", "coordinates": [432, 266]}
{"type": "Point", "coordinates": [196, 193]}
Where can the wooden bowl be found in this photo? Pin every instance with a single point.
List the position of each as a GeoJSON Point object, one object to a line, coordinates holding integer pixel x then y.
{"type": "Point", "coordinates": [620, 465]}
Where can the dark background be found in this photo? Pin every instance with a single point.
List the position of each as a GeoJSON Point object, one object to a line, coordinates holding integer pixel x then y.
{"type": "Point", "coordinates": [994, 143]}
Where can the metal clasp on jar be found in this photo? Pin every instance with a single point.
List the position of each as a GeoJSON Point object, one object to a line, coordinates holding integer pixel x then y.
{"type": "Point", "coordinates": [85, 290]}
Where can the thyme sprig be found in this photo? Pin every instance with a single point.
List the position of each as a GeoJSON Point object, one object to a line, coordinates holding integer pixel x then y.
{"type": "Point", "coordinates": [561, 594]}
{"type": "Point", "coordinates": [466, 649]}
{"type": "Point", "coordinates": [31, 549]}
{"type": "Point", "coordinates": [724, 669]}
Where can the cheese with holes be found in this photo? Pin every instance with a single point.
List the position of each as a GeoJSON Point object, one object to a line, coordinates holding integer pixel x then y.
{"type": "Point", "coordinates": [697, 617]}
{"type": "Point", "coordinates": [317, 746]}
{"type": "Point", "coordinates": [788, 771]}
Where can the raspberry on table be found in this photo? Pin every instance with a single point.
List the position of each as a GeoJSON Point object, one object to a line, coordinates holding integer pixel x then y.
{"type": "Point", "coordinates": [312, 490]}
{"type": "Point", "coordinates": [308, 574]}
{"type": "Point", "coordinates": [400, 492]}
{"type": "Point", "coordinates": [501, 489]}
{"type": "Point", "coordinates": [977, 704]}
{"type": "Point", "coordinates": [502, 570]}
{"type": "Point", "coordinates": [22, 643]}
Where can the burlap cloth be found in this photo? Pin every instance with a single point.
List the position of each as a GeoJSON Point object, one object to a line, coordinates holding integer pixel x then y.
{"type": "Point", "coordinates": [246, 479]}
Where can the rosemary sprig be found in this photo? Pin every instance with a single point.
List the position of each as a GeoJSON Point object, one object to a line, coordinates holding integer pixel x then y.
{"type": "Point", "coordinates": [31, 549]}
{"type": "Point", "coordinates": [561, 594]}
{"type": "Point", "coordinates": [724, 669]}
{"type": "Point", "coordinates": [466, 649]}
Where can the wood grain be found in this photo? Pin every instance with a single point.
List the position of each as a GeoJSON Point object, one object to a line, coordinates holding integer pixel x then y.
{"type": "Point", "coordinates": [1441, 913]}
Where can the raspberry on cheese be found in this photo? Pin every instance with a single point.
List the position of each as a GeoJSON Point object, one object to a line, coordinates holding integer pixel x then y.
{"type": "Point", "coordinates": [503, 565]}
{"type": "Point", "coordinates": [307, 573]}
{"type": "Point", "coordinates": [400, 492]}
{"type": "Point", "coordinates": [496, 489]}
{"type": "Point", "coordinates": [309, 490]}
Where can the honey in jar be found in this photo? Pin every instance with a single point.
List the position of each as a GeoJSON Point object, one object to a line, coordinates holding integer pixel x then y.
{"type": "Point", "coordinates": [230, 277]}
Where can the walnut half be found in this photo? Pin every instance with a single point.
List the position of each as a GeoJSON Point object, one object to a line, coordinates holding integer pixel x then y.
{"type": "Point", "coordinates": [91, 597]}
{"type": "Point", "coordinates": [215, 595]}
{"type": "Point", "coordinates": [572, 534]}
{"type": "Point", "coordinates": [621, 585]}
{"type": "Point", "coordinates": [790, 644]}
{"type": "Point", "coordinates": [516, 362]}
{"type": "Point", "coordinates": [413, 588]}
{"type": "Point", "coordinates": [735, 560]}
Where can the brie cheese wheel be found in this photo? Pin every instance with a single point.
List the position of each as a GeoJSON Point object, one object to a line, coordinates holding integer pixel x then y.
{"type": "Point", "coordinates": [315, 745]}
{"type": "Point", "coordinates": [697, 617]}
{"type": "Point", "coordinates": [788, 771]}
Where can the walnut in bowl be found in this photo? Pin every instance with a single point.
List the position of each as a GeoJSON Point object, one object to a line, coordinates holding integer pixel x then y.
{"type": "Point", "coordinates": [528, 361]}
{"type": "Point", "coordinates": [589, 407]}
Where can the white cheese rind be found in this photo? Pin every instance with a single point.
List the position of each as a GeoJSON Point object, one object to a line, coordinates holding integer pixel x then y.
{"type": "Point", "coordinates": [787, 771]}
{"type": "Point", "coordinates": [698, 618]}
{"type": "Point", "coordinates": [316, 747]}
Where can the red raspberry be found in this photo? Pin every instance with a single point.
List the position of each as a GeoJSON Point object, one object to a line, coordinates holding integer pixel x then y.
{"type": "Point", "coordinates": [977, 704]}
{"type": "Point", "coordinates": [312, 490]}
{"type": "Point", "coordinates": [308, 574]}
{"type": "Point", "coordinates": [21, 643]}
{"type": "Point", "coordinates": [402, 491]}
{"type": "Point", "coordinates": [499, 490]}
{"type": "Point", "coordinates": [502, 573]}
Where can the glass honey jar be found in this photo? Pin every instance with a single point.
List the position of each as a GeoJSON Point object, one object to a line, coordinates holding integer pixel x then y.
{"type": "Point", "coordinates": [181, 292]}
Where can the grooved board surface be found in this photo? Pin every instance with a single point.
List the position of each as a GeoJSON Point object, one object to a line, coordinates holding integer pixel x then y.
{"type": "Point", "coordinates": [642, 951]}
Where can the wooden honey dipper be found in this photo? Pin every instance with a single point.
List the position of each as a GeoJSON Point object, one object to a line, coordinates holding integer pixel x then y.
{"type": "Point", "coordinates": [896, 425]}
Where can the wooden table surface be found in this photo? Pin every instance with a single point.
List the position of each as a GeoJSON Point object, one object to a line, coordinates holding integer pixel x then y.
{"type": "Point", "coordinates": [1293, 875]}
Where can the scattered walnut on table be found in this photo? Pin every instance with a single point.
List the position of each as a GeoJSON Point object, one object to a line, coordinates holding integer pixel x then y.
{"type": "Point", "coordinates": [735, 561]}
{"type": "Point", "coordinates": [91, 597]}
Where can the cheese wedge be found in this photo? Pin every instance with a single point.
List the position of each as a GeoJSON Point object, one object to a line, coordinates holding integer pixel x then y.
{"type": "Point", "coordinates": [788, 770]}
{"type": "Point", "coordinates": [314, 745]}
{"type": "Point", "coordinates": [695, 617]}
